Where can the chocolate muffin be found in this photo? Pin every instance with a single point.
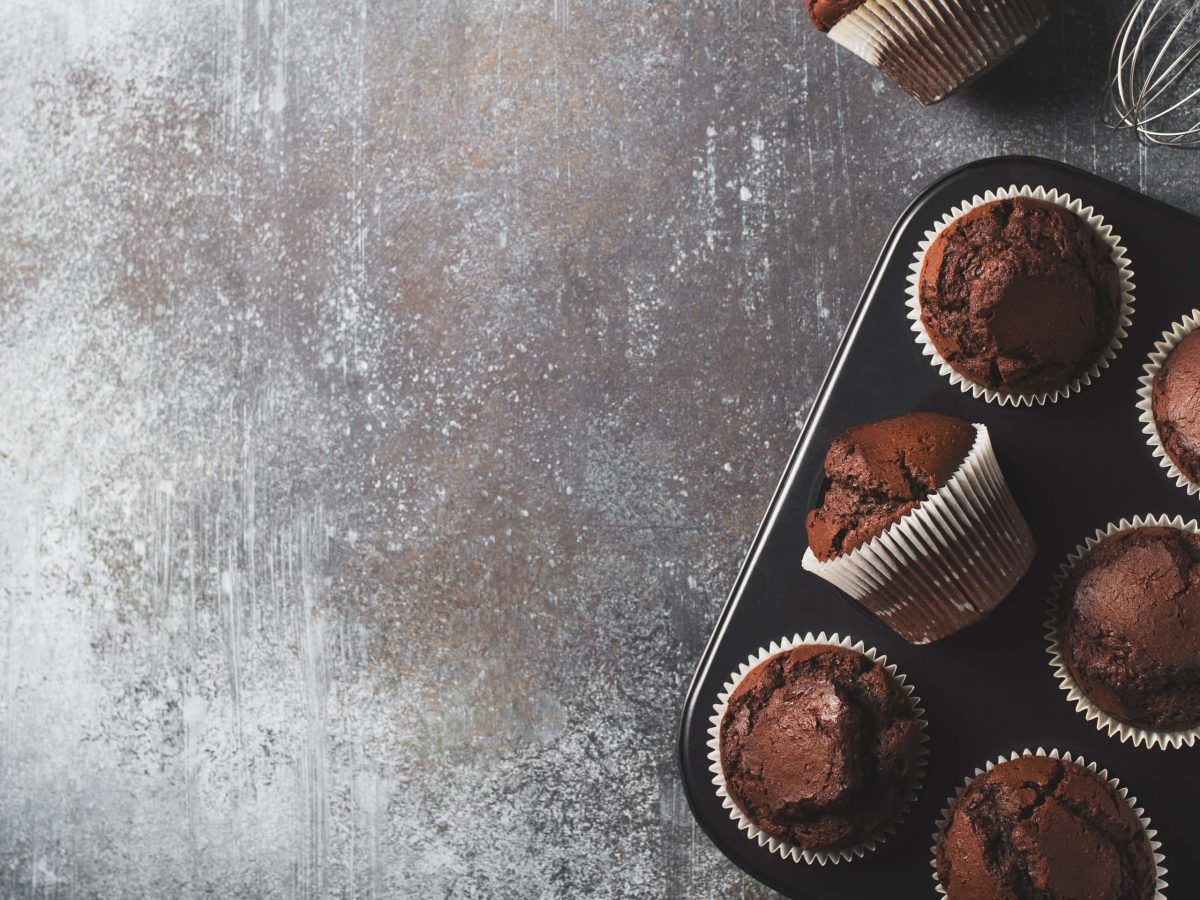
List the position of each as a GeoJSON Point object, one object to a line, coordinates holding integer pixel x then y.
{"type": "Point", "coordinates": [930, 48]}
{"type": "Point", "coordinates": [1037, 828]}
{"type": "Point", "coordinates": [827, 13]}
{"type": "Point", "coordinates": [1019, 295]}
{"type": "Point", "coordinates": [877, 473]}
{"type": "Point", "coordinates": [1176, 406]}
{"type": "Point", "coordinates": [1129, 627]}
{"type": "Point", "coordinates": [819, 747]}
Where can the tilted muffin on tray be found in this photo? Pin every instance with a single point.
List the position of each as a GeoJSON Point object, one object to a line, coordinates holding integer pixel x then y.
{"type": "Point", "coordinates": [879, 472]}
{"type": "Point", "coordinates": [916, 522]}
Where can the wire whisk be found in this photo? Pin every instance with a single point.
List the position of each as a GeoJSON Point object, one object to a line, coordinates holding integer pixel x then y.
{"type": "Point", "coordinates": [1154, 84]}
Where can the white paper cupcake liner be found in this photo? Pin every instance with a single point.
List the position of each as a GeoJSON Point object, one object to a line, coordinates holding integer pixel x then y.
{"type": "Point", "coordinates": [1162, 349]}
{"type": "Point", "coordinates": [931, 47]}
{"type": "Point", "coordinates": [1124, 315]}
{"type": "Point", "coordinates": [786, 849]}
{"type": "Point", "coordinates": [1160, 871]}
{"type": "Point", "coordinates": [948, 562]}
{"type": "Point", "coordinates": [1141, 737]}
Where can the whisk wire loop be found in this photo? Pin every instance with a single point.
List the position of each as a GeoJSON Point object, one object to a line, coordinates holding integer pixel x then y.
{"type": "Point", "coordinates": [1154, 82]}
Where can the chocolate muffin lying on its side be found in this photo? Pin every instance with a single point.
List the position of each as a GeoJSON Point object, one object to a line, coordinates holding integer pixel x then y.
{"type": "Point", "coordinates": [929, 47]}
{"type": "Point", "coordinates": [1130, 627]}
{"type": "Point", "coordinates": [1037, 828]}
{"type": "Point", "coordinates": [819, 747]}
{"type": "Point", "coordinates": [878, 473]}
{"type": "Point", "coordinates": [1019, 295]}
{"type": "Point", "coordinates": [1176, 406]}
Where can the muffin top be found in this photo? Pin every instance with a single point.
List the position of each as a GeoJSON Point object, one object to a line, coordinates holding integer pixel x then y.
{"type": "Point", "coordinates": [1019, 295]}
{"type": "Point", "coordinates": [1130, 631]}
{"type": "Point", "coordinates": [1043, 828]}
{"type": "Point", "coordinates": [1176, 405]}
{"type": "Point", "coordinates": [819, 746]}
{"type": "Point", "coordinates": [827, 13]}
{"type": "Point", "coordinates": [877, 473]}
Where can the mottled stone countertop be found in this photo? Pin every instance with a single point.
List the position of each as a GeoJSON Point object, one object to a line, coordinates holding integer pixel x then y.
{"type": "Point", "coordinates": [390, 390]}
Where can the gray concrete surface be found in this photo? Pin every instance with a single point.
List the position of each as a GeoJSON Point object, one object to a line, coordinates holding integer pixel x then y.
{"type": "Point", "coordinates": [390, 390]}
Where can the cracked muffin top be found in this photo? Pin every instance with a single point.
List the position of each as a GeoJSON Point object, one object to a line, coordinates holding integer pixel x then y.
{"type": "Point", "coordinates": [1176, 405]}
{"type": "Point", "coordinates": [819, 746]}
{"type": "Point", "coordinates": [1019, 295]}
{"type": "Point", "coordinates": [1130, 629]}
{"type": "Point", "coordinates": [877, 473]}
{"type": "Point", "coordinates": [1036, 828]}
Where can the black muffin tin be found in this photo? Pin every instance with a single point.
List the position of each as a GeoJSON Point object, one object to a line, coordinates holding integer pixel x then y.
{"type": "Point", "coordinates": [1073, 466]}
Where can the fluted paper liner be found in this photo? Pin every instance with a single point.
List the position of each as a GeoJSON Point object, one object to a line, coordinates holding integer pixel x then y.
{"type": "Point", "coordinates": [931, 47]}
{"type": "Point", "coordinates": [1160, 871]}
{"type": "Point", "coordinates": [1141, 737]}
{"type": "Point", "coordinates": [786, 849]}
{"type": "Point", "coordinates": [1162, 349]}
{"type": "Point", "coordinates": [948, 562]}
{"type": "Point", "coordinates": [1124, 314]}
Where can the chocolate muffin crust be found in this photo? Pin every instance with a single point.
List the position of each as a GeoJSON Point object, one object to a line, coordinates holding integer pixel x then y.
{"type": "Point", "coordinates": [1175, 404]}
{"type": "Point", "coordinates": [1020, 295]}
{"type": "Point", "coordinates": [877, 473]}
{"type": "Point", "coordinates": [1130, 627]}
{"type": "Point", "coordinates": [1036, 828]}
{"type": "Point", "coordinates": [819, 746]}
{"type": "Point", "coordinates": [827, 13]}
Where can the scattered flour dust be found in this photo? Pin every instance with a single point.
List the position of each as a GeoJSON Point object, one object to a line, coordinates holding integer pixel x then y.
{"type": "Point", "coordinates": [164, 674]}
{"type": "Point", "coordinates": [185, 711]}
{"type": "Point", "coordinates": [195, 393]}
